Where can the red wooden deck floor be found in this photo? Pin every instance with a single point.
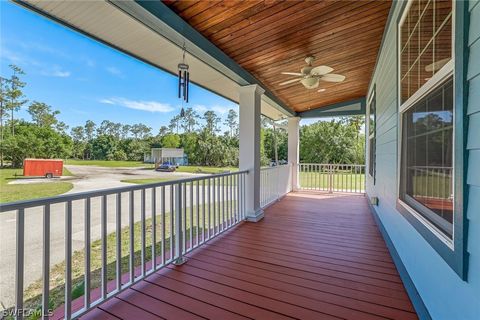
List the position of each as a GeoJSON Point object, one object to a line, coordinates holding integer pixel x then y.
{"type": "Point", "coordinates": [313, 256]}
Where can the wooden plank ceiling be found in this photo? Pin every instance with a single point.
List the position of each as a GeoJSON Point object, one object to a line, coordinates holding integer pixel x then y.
{"type": "Point", "coordinates": [268, 37]}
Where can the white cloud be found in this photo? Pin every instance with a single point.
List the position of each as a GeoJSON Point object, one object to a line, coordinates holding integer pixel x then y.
{"type": "Point", "coordinates": [61, 74]}
{"type": "Point", "coordinates": [151, 106]}
{"type": "Point", "coordinates": [11, 56]}
{"type": "Point", "coordinates": [55, 71]}
{"type": "Point", "coordinates": [222, 110]}
{"type": "Point", "coordinates": [25, 61]}
{"type": "Point", "coordinates": [40, 47]}
{"type": "Point", "coordinates": [19, 58]}
{"type": "Point", "coordinates": [107, 101]}
{"type": "Point", "coordinates": [89, 62]}
{"type": "Point", "coordinates": [200, 108]}
{"type": "Point", "coordinates": [115, 71]}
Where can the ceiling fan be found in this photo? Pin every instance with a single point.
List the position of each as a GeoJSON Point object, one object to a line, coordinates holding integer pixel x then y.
{"type": "Point", "coordinates": [311, 76]}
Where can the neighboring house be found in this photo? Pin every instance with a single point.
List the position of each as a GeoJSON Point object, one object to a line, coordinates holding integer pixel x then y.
{"type": "Point", "coordinates": [161, 155]}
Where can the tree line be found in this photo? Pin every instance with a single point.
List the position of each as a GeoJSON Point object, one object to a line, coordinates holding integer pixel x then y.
{"type": "Point", "coordinates": [200, 135]}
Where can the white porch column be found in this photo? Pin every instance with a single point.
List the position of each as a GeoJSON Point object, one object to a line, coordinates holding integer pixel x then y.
{"type": "Point", "coordinates": [250, 100]}
{"type": "Point", "coordinates": [294, 148]}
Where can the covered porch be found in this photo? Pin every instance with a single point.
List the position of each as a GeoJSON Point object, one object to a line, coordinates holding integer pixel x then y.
{"type": "Point", "coordinates": [294, 241]}
{"type": "Point", "coordinates": [313, 256]}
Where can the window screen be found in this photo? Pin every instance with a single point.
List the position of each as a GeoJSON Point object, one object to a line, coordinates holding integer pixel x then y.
{"type": "Point", "coordinates": [427, 157]}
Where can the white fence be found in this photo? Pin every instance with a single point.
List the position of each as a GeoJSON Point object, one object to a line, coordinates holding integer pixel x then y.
{"type": "Point", "coordinates": [332, 177]}
{"type": "Point", "coordinates": [430, 182]}
{"type": "Point", "coordinates": [275, 182]}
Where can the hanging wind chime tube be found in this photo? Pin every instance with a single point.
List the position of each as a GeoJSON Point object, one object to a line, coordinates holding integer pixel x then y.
{"type": "Point", "coordinates": [187, 86]}
{"type": "Point", "coordinates": [183, 81]}
{"type": "Point", "coordinates": [179, 83]}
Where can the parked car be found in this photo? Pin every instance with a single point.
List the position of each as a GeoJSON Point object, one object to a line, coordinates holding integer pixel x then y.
{"type": "Point", "coordinates": [166, 167]}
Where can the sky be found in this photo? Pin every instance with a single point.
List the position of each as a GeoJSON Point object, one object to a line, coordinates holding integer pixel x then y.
{"type": "Point", "coordinates": [86, 80]}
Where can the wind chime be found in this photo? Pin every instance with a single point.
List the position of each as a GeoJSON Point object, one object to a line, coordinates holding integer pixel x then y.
{"type": "Point", "coordinates": [183, 82]}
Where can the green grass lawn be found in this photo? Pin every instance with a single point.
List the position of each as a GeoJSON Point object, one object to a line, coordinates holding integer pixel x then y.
{"type": "Point", "coordinates": [341, 181]}
{"type": "Point", "coordinates": [204, 169]}
{"type": "Point", "coordinates": [133, 164]}
{"type": "Point", "coordinates": [17, 192]}
{"type": "Point", "coordinates": [107, 163]}
{"type": "Point", "coordinates": [66, 172]}
{"type": "Point", "coordinates": [158, 180]}
{"type": "Point", "coordinates": [149, 180]}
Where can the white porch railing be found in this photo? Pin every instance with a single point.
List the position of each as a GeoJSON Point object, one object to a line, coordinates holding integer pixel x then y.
{"type": "Point", "coordinates": [275, 182]}
{"type": "Point", "coordinates": [332, 177]}
{"type": "Point", "coordinates": [431, 182]}
{"type": "Point", "coordinates": [161, 221]}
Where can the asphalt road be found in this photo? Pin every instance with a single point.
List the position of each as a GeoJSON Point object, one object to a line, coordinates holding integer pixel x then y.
{"type": "Point", "coordinates": [87, 178]}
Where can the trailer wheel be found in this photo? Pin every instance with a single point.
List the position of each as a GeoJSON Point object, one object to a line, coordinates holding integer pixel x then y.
{"type": "Point", "coordinates": [49, 175]}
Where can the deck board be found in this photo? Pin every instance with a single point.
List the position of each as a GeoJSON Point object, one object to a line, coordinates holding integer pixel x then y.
{"type": "Point", "coordinates": [313, 256]}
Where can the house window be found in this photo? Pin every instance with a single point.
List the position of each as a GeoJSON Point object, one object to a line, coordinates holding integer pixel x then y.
{"type": "Point", "coordinates": [372, 111]}
{"type": "Point", "coordinates": [425, 45]}
{"type": "Point", "coordinates": [426, 93]}
{"type": "Point", "coordinates": [432, 77]}
{"type": "Point", "coordinates": [427, 157]}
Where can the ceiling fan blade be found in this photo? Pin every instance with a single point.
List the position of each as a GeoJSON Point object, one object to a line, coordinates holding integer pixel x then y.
{"type": "Point", "coordinates": [321, 70]}
{"type": "Point", "coordinates": [332, 77]}
{"type": "Point", "coordinates": [437, 65]}
{"type": "Point", "coordinates": [290, 81]}
{"type": "Point", "coordinates": [321, 90]}
{"type": "Point", "coordinates": [293, 73]}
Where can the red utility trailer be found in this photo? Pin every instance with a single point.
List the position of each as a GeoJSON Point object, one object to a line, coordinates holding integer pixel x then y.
{"type": "Point", "coordinates": [47, 168]}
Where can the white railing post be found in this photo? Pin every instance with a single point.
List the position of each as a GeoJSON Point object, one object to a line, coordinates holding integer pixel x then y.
{"type": "Point", "coordinates": [46, 261]}
{"type": "Point", "coordinates": [118, 238]}
{"type": "Point", "coordinates": [330, 178]}
{"type": "Point", "coordinates": [179, 259]}
{"type": "Point", "coordinates": [87, 239]}
{"type": "Point", "coordinates": [277, 182]}
{"type": "Point", "coordinates": [20, 244]}
{"type": "Point", "coordinates": [68, 260]}
{"type": "Point", "coordinates": [103, 231]}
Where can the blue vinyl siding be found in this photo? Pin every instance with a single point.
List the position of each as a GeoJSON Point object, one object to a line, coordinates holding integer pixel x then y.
{"type": "Point", "coordinates": [444, 293]}
{"type": "Point", "coordinates": [474, 96]}
{"type": "Point", "coordinates": [472, 4]}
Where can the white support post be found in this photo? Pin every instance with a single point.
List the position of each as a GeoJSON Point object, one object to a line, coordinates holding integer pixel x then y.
{"type": "Point", "coordinates": [293, 149]}
{"type": "Point", "coordinates": [250, 100]}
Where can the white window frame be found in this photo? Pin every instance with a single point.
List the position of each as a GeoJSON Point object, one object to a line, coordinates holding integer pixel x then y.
{"type": "Point", "coordinates": [373, 95]}
{"type": "Point", "coordinates": [445, 72]}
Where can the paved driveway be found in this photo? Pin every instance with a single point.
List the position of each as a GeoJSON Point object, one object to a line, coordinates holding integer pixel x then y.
{"type": "Point", "coordinates": [87, 178]}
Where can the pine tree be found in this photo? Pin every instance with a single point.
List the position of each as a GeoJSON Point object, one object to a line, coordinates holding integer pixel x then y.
{"type": "Point", "coordinates": [15, 98]}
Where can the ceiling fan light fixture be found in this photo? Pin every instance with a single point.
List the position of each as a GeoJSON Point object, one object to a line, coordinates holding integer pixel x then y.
{"type": "Point", "coordinates": [310, 82]}
{"type": "Point", "coordinates": [306, 70]}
